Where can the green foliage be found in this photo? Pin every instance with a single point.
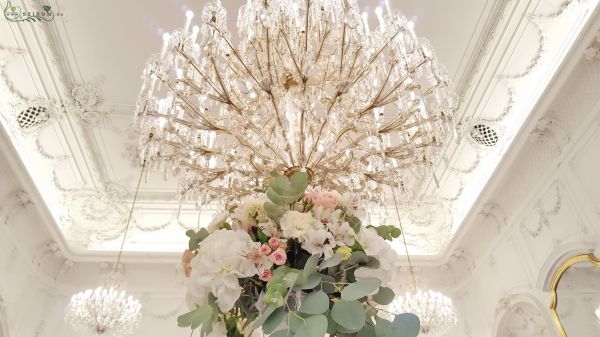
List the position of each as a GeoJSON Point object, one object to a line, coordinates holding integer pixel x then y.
{"type": "Point", "coordinates": [262, 318]}
{"type": "Point", "coordinates": [311, 265]}
{"type": "Point", "coordinates": [315, 303]}
{"type": "Point", "coordinates": [406, 325]}
{"type": "Point", "coordinates": [388, 232]}
{"type": "Point", "coordinates": [367, 331]}
{"type": "Point", "coordinates": [196, 238]}
{"type": "Point", "coordinates": [350, 315]}
{"type": "Point", "coordinates": [273, 211]}
{"type": "Point", "coordinates": [383, 328]}
{"type": "Point", "coordinates": [273, 321]}
{"type": "Point", "coordinates": [331, 262]}
{"type": "Point", "coordinates": [354, 222]}
{"type": "Point", "coordinates": [384, 296]}
{"type": "Point", "coordinates": [284, 191]}
{"type": "Point", "coordinates": [360, 289]}
{"type": "Point", "coordinates": [196, 317]}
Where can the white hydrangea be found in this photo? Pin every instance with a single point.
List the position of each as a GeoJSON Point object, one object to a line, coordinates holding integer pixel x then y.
{"type": "Point", "coordinates": [375, 246]}
{"type": "Point", "coordinates": [218, 266]}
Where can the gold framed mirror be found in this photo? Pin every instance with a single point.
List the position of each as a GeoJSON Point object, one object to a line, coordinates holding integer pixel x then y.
{"type": "Point", "coordinates": [575, 287]}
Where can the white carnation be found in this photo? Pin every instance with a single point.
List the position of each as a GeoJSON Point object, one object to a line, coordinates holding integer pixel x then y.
{"type": "Point", "coordinates": [295, 224]}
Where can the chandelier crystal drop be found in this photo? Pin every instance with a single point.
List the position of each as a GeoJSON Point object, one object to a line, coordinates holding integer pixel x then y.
{"type": "Point", "coordinates": [104, 311]}
{"type": "Point", "coordinates": [435, 311]}
{"type": "Point", "coordinates": [309, 87]}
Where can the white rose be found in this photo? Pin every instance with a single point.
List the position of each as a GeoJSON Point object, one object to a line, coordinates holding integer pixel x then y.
{"type": "Point", "coordinates": [295, 224]}
{"type": "Point", "coordinates": [250, 213]}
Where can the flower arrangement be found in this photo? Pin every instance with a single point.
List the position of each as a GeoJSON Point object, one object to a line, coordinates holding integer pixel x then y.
{"type": "Point", "coordinates": [292, 262]}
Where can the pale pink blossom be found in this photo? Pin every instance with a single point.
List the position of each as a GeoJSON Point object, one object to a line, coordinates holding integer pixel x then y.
{"type": "Point", "coordinates": [327, 200]}
{"type": "Point", "coordinates": [265, 275]}
{"type": "Point", "coordinates": [265, 249]}
{"type": "Point", "coordinates": [274, 243]}
{"type": "Point", "coordinates": [311, 196]}
{"type": "Point", "coordinates": [278, 257]}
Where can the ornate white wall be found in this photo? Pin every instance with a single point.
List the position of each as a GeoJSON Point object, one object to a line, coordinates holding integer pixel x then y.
{"type": "Point", "coordinates": [542, 207]}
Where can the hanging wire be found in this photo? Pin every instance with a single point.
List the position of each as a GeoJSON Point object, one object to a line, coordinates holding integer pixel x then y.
{"type": "Point", "coordinates": [410, 266]}
{"type": "Point", "coordinates": [135, 195]}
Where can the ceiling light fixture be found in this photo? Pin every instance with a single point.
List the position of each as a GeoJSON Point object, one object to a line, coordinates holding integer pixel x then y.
{"type": "Point", "coordinates": [107, 310]}
{"type": "Point", "coordinates": [310, 87]}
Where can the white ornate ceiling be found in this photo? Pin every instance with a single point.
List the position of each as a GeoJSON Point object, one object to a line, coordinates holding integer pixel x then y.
{"type": "Point", "coordinates": [85, 66]}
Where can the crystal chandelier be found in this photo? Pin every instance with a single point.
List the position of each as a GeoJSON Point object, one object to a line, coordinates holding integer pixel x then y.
{"type": "Point", "coordinates": [104, 311]}
{"type": "Point", "coordinates": [598, 313]}
{"type": "Point", "coordinates": [435, 311]}
{"type": "Point", "coordinates": [310, 86]}
{"type": "Point", "coordinates": [107, 310]}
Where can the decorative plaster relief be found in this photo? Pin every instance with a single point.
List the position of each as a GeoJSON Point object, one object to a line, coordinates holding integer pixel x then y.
{"type": "Point", "coordinates": [551, 133]}
{"type": "Point", "coordinates": [86, 101]}
{"type": "Point", "coordinates": [593, 51]}
{"type": "Point", "coordinates": [522, 320]}
{"type": "Point", "coordinates": [544, 214]}
{"type": "Point", "coordinates": [13, 203]}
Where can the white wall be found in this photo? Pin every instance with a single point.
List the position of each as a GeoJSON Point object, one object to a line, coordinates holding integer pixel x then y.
{"type": "Point", "coordinates": [544, 208]}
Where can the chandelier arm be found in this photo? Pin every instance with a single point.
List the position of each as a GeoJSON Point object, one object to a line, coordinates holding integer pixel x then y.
{"type": "Point", "coordinates": [195, 66]}
{"type": "Point", "coordinates": [220, 79]}
{"type": "Point", "coordinates": [194, 109]}
{"type": "Point", "coordinates": [316, 143]}
{"type": "Point", "coordinates": [318, 56]}
{"type": "Point", "coordinates": [342, 46]}
{"type": "Point", "coordinates": [306, 28]}
{"type": "Point", "coordinates": [292, 56]}
{"type": "Point", "coordinates": [237, 55]}
{"type": "Point", "coordinates": [374, 57]}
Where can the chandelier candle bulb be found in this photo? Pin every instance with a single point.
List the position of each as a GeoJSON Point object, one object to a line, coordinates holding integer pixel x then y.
{"type": "Point", "coordinates": [379, 13]}
{"type": "Point", "coordinates": [388, 7]}
{"type": "Point", "coordinates": [189, 15]}
{"type": "Point", "coordinates": [365, 19]}
{"type": "Point", "coordinates": [166, 37]}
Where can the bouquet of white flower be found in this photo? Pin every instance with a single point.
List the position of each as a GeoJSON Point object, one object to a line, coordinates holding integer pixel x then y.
{"type": "Point", "coordinates": [292, 263]}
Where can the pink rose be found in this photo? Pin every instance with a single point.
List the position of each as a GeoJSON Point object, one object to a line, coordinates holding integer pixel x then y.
{"type": "Point", "coordinates": [278, 257]}
{"type": "Point", "coordinates": [265, 249]}
{"type": "Point", "coordinates": [265, 275]}
{"type": "Point", "coordinates": [274, 243]}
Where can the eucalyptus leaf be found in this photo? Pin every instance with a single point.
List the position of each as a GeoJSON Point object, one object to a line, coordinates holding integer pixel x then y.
{"type": "Point", "coordinates": [327, 284]}
{"type": "Point", "coordinates": [331, 262]}
{"type": "Point", "coordinates": [361, 288]}
{"type": "Point", "coordinates": [313, 326]}
{"type": "Point", "coordinates": [273, 321]}
{"type": "Point", "coordinates": [196, 317]}
{"type": "Point", "coordinates": [261, 319]}
{"type": "Point", "coordinates": [273, 211]}
{"type": "Point", "coordinates": [281, 333]}
{"type": "Point", "coordinates": [349, 314]}
{"type": "Point", "coordinates": [315, 303]}
{"type": "Point", "coordinates": [311, 282]}
{"type": "Point", "coordinates": [358, 257]}
{"type": "Point", "coordinates": [384, 296]}
{"type": "Point", "coordinates": [354, 222]}
{"type": "Point", "coordinates": [406, 325]}
{"type": "Point", "coordinates": [367, 331]}
{"type": "Point", "coordinates": [311, 265]}
{"type": "Point", "coordinates": [383, 328]}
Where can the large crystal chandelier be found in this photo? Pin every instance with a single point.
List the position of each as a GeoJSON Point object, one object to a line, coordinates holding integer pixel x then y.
{"type": "Point", "coordinates": [104, 311]}
{"type": "Point", "coordinates": [310, 86]}
{"type": "Point", "coordinates": [435, 311]}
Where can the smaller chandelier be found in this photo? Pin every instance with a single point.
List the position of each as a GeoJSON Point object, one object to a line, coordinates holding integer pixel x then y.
{"type": "Point", "coordinates": [104, 311]}
{"type": "Point", "coordinates": [435, 311]}
{"type": "Point", "coordinates": [598, 312]}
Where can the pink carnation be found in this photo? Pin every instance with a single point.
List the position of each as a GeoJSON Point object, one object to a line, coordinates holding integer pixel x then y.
{"type": "Point", "coordinates": [326, 200]}
{"type": "Point", "coordinates": [265, 249]}
{"type": "Point", "coordinates": [265, 275]}
{"type": "Point", "coordinates": [274, 243]}
{"type": "Point", "coordinates": [311, 196]}
{"type": "Point", "coordinates": [278, 257]}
